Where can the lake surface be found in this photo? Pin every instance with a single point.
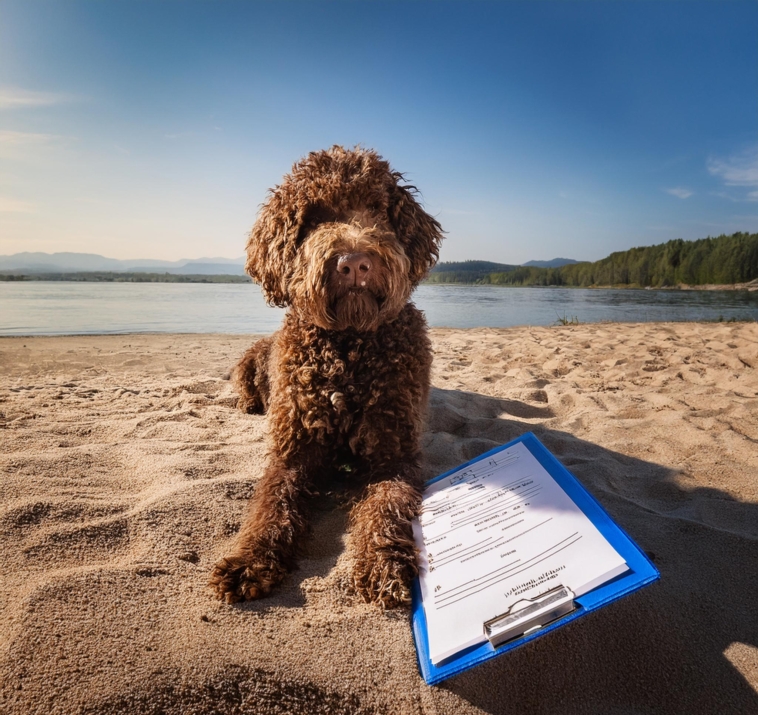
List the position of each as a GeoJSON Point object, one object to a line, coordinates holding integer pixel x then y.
{"type": "Point", "coordinates": [60, 308]}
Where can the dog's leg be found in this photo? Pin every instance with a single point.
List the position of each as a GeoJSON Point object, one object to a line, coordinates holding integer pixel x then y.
{"type": "Point", "coordinates": [382, 542]}
{"type": "Point", "coordinates": [250, 376]}
{"type": "Point", "coordinates": [265, 547]}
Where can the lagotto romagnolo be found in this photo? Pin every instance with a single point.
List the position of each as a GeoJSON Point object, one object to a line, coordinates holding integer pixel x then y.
{"type": "Point", "coordinates": [342, 242]}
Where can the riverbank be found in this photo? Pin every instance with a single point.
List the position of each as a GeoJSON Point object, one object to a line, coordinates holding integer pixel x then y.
{"type": "Point", "coordinates": [751, 286]}
{"type": "Point", "coordinates": [123, 277]}
{"type": "Point", "coordinates": [126, 470]}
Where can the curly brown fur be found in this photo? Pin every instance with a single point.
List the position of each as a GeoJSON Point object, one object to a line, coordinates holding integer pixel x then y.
{"type": "Point", "coordinates": [382, 541]}
{"type": "Point", "coordinates": [327, 185]}
{"type": "Point", "coordinates": [266, 543]}
{"type": "Point", "coordinates": [250, 376]}
{"type": "Point", "coordinates": [342, 243]}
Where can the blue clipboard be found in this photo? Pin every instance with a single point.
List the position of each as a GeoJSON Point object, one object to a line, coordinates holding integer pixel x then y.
{"type": "Point", "coordinates": [641, 572]}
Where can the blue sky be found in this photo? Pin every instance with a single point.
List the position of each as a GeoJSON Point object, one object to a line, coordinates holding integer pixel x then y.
{"type": "Point", "coordinates": [534, 130]}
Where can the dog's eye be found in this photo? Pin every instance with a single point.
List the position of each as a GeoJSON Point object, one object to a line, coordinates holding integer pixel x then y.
{"type": "Point", "coordinates": [315, 216]}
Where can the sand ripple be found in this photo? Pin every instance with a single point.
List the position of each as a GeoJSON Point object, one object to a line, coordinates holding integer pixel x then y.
{"type": "Point", "coordinates": [124, 471]}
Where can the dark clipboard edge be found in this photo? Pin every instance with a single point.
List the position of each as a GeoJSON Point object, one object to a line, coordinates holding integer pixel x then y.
{"type": "Point", "coordinates": [641, 571]}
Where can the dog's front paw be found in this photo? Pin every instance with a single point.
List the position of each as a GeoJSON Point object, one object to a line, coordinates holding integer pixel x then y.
{"type": "Point", "coordinates": [251, 405]}
{"type": "Point", "coordinates": [244, 577]}
{"type": "Point", "coordinates": [384, 577]}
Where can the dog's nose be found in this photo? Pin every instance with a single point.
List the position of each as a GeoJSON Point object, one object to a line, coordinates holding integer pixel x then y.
{"type": "Point", "coordinates": [354, 267]}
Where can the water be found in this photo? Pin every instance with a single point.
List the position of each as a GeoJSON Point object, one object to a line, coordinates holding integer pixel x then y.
{"type": "Point", "coordinates": [494, 306]}
{"type": "Point", "coordinates": [59, 308]}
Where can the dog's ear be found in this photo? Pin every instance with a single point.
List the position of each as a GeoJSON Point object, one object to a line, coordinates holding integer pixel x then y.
{"type": "Point", "coordinates": [272, 244]}
{"type": "Point", "coordinates": [419, 233]}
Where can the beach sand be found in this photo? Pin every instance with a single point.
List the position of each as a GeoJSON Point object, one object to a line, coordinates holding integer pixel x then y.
{"type": "Point", "coordinates": [125, 469]}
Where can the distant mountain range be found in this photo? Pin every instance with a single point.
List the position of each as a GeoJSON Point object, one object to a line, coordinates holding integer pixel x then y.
{"type": "Point", "coordinates": [36, 263]}
{"type": "Point", "coordinates": [479, 271]}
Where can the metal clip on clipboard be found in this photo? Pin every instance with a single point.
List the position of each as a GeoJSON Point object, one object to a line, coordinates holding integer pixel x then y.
{"type": "Point", "coordinates": [529, 615]}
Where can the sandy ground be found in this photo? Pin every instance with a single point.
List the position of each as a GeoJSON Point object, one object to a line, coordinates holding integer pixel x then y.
{"type": "Point", "coordinates": [124, 472]}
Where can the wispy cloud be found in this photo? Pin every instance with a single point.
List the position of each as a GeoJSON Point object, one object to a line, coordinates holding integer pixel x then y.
{"type": "Point", "coordinates": [724, 195]}
{"type": "Point", "coordinates": [25, 146]}
{"type": "Point", "coordinates": [680, 192]}
{"type": "Point", "coordinates": [9, 205]}
{"type": "Point", "coordinates": [17, 98]}
{"type": "Point", "coordinates": [11, 138]}
{"type": "Point", "coordinates": [739, 169]}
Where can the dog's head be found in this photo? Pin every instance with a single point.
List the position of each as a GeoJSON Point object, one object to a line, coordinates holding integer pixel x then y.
{"type": "Point", "coordinates": [342, 241]}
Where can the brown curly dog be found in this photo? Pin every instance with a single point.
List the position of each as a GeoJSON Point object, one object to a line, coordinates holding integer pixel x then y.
{"type": "Point", "coordinates": [342, 243]}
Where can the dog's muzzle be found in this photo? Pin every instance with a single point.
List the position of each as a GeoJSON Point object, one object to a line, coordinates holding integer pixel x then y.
{"type": "Point", "coordinates": [354, 269]}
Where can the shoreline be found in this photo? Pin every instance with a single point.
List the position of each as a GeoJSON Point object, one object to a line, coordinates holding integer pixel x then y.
{"type": "Point", "coordinates": [254, 335]}
{"type": "Point", "coordinates": [748, 287]}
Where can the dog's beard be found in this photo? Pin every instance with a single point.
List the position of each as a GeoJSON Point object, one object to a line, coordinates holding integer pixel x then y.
{"type": "Point", "coordinates": [358, 309]}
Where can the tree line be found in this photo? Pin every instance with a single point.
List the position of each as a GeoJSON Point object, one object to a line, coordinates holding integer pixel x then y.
{"type": "Point", "coordinates": [466, 271]}
{"type": "Point", "coordinates": [722, 260]}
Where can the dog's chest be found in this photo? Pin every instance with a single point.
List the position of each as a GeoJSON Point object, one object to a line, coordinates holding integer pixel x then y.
{"type": "Point", "coordinates": [346, 376]}
{"type": "Point", "coordinates": [336, 383]}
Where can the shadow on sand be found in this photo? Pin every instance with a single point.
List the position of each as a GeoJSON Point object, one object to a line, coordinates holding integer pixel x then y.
{"type": "Point", "coordinates": [661, 650]}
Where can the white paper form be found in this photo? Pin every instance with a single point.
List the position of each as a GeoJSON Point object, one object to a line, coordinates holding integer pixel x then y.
{"type": "Point", "coordinates": [494, 533]}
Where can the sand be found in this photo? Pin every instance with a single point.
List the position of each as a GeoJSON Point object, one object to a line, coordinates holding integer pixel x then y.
{"type": "Point", "coordinates": [124, 472]}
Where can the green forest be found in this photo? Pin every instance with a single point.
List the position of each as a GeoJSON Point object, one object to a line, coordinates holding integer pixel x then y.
{"type": "Point", "coordinates": [721, 260]}
{"type": "Point", "coordinates": [466, 271]}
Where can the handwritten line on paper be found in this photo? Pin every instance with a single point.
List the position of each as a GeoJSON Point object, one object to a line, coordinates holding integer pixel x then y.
{"type": "Point", "coordinates": [528, 530]}
{"type": "Point", "coordinates": [512, 499]}
{"type": "Point", "coordinates": [501, 576]}
{"type": "Point", "coordinates": [455, 554]}
{"type": "Point", "coordinates": [482, 469]}
{"type": "Point", "coordinates": [483, 551]}
{"type": "Point", "coordinates": [478, 516]}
